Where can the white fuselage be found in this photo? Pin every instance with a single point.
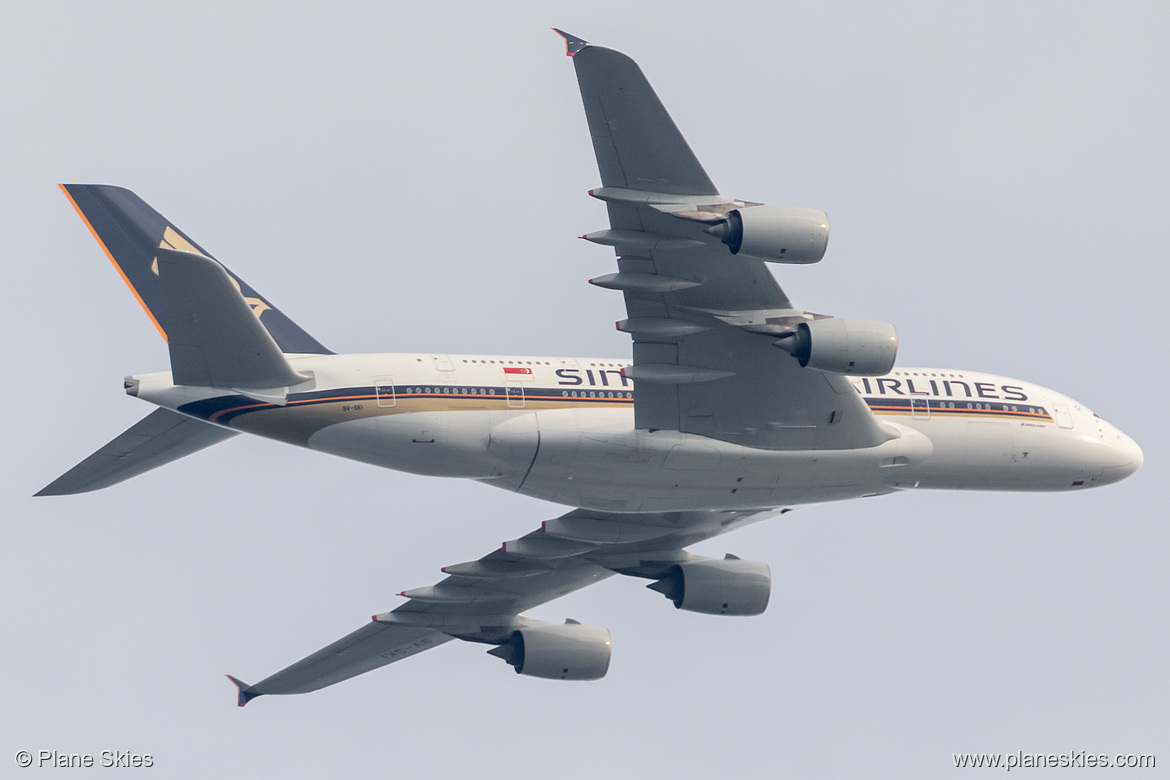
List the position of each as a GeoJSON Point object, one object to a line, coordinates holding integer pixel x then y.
{"type": "Point", "coordinates": [562, 429]}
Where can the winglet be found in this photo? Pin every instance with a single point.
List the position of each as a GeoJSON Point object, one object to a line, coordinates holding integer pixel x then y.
{"type": "Point", "coordinates": [245, 695]}
{"type": "Point", "coordinates": [573, 44]}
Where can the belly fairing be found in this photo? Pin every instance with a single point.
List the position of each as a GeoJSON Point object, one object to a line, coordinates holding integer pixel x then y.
{"type": "Point", "coordinates": [603, 463]}
{"type": "Point", "coordinates": [442, 444]}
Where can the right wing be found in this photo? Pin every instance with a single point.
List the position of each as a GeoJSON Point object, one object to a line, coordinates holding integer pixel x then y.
{"type": "Point", "coordinates": [704, 320]}
{"type": "Point", "coordinates": [481, 600]}
{"type": "Point", "coordinates": [637, 144]}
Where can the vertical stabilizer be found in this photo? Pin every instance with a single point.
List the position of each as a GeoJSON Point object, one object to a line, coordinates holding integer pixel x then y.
{"type": "Point", "coordinates": [131, 233]}
{"type": "Point", "coordinates": [215, 338]}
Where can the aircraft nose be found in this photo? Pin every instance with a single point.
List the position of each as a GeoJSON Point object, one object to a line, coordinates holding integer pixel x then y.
{"type": "Point", "coordinates": [1126, 458]}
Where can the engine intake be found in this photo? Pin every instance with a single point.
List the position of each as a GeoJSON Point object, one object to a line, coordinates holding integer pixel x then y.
{"type": "Point", "coordinates": [776, 234]}
{"type": "Point", "coordinates": [718, 587]}
{"type": "Point", "coordinates": [570, 651]}
{"type": "Point", "coordinates": [844, 346]}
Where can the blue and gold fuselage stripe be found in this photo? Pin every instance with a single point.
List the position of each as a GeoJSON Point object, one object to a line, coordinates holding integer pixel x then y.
{"type": "Point", "coordinates": [224, 409]}
{"type": "Point", "coordinates": [945, 408]}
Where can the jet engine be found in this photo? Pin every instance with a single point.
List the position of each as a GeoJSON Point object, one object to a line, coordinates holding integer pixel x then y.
{"type": "Point", "coordinates": [718, 587]}
{"type": "Point", "coordinates": [844, 346]}
{"type": "Point", "coordinates": [775, 234]}
{"type": "Point", "coordinates": [570, 651]}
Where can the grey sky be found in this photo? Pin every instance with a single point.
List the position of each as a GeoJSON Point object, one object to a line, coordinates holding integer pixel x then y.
{"type": "Point", "coordinates": [411, 178]}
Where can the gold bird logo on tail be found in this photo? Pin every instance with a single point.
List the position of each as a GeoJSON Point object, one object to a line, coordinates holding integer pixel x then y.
{"type": "Point", "coordinates": [172, 240]}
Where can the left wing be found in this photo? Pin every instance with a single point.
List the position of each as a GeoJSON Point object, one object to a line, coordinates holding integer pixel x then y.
{"type": "Point", "coordinates": [481, 600]}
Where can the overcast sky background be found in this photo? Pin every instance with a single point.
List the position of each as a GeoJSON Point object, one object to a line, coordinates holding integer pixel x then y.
{"type": "Point", "coordinates": [411, 177]}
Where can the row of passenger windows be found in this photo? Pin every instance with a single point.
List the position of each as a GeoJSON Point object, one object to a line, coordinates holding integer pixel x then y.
{"type": "Point", "coordinates": [915, 373]}
{"type": "Point", "coordinates": [452, 390]}
{"type": "Point", "coordinates": [596, 394]}
{"type": "Point", "coordinates": [1001, 407]}
{"type": "Point", "coordinates": [537, 363]}
{"type": "Point", "coordinates": [497, 391]}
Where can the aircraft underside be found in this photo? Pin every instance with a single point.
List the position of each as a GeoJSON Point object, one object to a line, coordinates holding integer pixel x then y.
{"type": "Point", "coordinates": [734, 405]}
{"type": "Point", "coordinates": [577, 444]}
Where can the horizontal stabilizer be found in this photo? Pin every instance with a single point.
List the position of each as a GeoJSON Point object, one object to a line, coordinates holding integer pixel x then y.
{"type": "Point", "coordinates": [157, 439]}
{"type": "Point", "coordinates": [215, 337]}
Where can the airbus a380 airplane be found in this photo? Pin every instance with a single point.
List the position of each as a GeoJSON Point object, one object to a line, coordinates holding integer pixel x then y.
{"type": "Point", "coordinates": [736, 406]}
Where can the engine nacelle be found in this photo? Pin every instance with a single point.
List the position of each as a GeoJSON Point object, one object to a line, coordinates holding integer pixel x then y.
{"type": "Point", "coordinates": [718, 587]}
{"type": "Point", "coordinates": [776, 234]}
{"type": "Point", "coordinates": [844, 346]}
{"type": "Point", "coordinates": [570, 651]}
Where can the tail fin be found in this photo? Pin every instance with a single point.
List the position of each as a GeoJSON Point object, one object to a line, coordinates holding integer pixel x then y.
{"type": "Point", "coordinates": [131, 233]}
{"type": "Point", "coordinates": [215, 339]}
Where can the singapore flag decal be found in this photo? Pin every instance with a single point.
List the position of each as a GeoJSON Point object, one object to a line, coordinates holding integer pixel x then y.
{"type": "Point", "coordinates": [518, 371]}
